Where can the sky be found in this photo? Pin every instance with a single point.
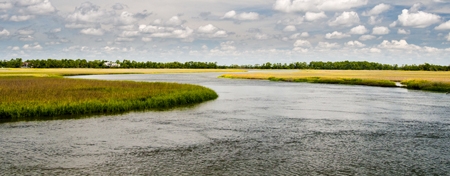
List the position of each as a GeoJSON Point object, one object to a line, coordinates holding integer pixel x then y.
{"type": "Point", "coordinates": [228, 32]}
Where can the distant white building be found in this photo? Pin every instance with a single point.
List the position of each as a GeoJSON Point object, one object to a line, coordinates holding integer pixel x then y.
{"type": "Point", "coordinates": [111, 64]}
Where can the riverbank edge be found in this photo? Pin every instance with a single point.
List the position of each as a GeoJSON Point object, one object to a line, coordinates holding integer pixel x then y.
{"type": "Point", "coordinates": [412, 84]}
{"type": "Point", "coordinates": [166, 101]}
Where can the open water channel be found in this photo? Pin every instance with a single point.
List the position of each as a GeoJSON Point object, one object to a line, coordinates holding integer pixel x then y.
{"type": "Point", "coordinates": [254, 128]}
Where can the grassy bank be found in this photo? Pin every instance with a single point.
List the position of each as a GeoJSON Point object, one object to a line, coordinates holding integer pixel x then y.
{"type": "Point", "coordinates": [25, 97]}
{"type": "Point", "coordinates": [418, 80]}
{"type": "Point", "coordinates": [59, 72]}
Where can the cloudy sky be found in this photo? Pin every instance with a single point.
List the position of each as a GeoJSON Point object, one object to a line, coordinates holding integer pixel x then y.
{"type": "Point", "coordinates": [228, 32]}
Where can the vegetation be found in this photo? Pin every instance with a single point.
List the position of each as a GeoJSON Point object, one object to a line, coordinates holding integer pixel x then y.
{"type": "Point", "coordinates": [427, 85]}
{"type": "Point", "coordinates": [90, 71]}
{"type": "Point", "coordinates": [25, 97]}
{"type": "Point", "coordinates": [419, 80]}
{"type": "Point", "coordinates": [316, 65]}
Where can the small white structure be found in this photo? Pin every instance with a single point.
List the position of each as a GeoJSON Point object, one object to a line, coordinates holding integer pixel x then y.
{"type": "Point", "coordinates": [111, 64]}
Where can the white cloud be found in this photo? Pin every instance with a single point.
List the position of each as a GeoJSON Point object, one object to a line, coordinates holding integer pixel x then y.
{"type": "Point", "coordinates": [177, 33]}
{"type": "Point", "coordinates": [327, 45]}
{"type": "Point", "coordinates": [443, 26]}
{"type": "Point", "coordinates": [146, 39]}
{"type": "Point", "coordinates": [378, 9]}
{"type": "Point", "coordinates": [417, 20]}
{"type": "Point", "coordinates": [150, 29]}
{"type": "Point", "coordinates": [244, 16]}
{"type": "Point", "coordinates": [358, 30]}
{"type": "Point", "coordinates": [403, 31]}
{"type": "Point", "coordinates": [128, 34]}
{"type": "Point", "coordinates": [336, 35]}
{"type": "Point", "coordinates": [380, 30]}
{"type": "Point", "coordinates": [174, 21]}
{"type": "Point", "coordinates": [317, 5]}
{"type": "Point", "coordinates": [28, 2]}
{"type": "Point", "coordinates": [25, 32]}
{"type": "Point", "coordinates": [125, 18]}
{"type": "Point", "coordinates": [311, 16]}
{"type": "Point", "coordinates": [374, 20]}
{"type": "Point", "coordinates": [207, 29]}
{"type": "Point", "coordinates": [119, 6]}
{"type": "Point", "coordinates": [26, 38]}
{"type": "Point", "coordinates": [297, 35]}
{"type": "Point", "coordinates": [124, 39]}
{"type": "Point", "coordinates": [18, 18]}
{"type": "Point", "coordinates": [227, 46]}
{"type": "Point", "coordinates": [290, 28]}
{"type": "Point", "coordinates": [367, 37]}
{"type": "Point", "coordinates": [5, 5]}
{"type": "Point", "coordinates": [345, 19]}
{"type": "Point", "coordinates": [4, 33]}
{"type": "Point", "coordinates": [260, 36]}
{"type": "Point", "coordinates": [42, 8]}
{"type": "Point", "coordinates": [398, 44]}
{"type": "Point", "coordinates": [375, 50]}
{"type": "Point", "coordinates": [302, 43]}
{"type": "Point", "coordinates": [88, 13]}
{"type": "Point", "coordinates": [448, 37]}
{"type": "Point", "coordinates": [55, 30]}
{"type": "Point", "coordinates": [220, 34]}
{"type": "Point", "coordinates": [430, 49]}
{"type": "Point", "coordinates": [92, 31]}
{"type": "Point", "coordinates": [34, 46]}
{"type": "Point", "coordinates": [15, 48]}
{"type": "Point", "coordinates": [355, 44]}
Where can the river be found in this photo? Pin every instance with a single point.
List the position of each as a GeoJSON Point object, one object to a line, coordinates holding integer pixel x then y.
{"type": "Point", "coordinates": [255, 127]}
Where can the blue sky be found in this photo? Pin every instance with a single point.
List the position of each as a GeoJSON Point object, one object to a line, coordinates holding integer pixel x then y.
{"type": "Point", "coordinates": [236, 32]}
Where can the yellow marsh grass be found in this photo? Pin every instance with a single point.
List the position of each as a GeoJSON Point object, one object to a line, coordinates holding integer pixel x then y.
{"type": "Point", "coordinates": [361, 74]}
{"type": "Point", "coordinates": [87, 71]}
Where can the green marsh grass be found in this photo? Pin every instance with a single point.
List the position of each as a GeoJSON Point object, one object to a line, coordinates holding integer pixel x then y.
{"type": "Point", "coordinates": [25, 97]}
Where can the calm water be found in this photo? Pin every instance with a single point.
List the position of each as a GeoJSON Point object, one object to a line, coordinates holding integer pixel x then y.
{"type": "Point", "coordinates": [253, 128]}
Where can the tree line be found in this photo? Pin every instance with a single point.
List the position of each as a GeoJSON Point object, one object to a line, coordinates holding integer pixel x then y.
{"type": "Point", "coordinates": [318, 65]}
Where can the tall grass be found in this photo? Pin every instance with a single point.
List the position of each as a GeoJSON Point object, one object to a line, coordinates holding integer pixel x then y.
{"type": "Point", "coordinates": [427, 85]}
{"type": "Point", "coordinates": [24, 97]}
{"type": "Point", "coordinates": [347, 81]}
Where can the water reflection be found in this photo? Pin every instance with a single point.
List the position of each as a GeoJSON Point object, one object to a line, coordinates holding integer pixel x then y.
{"type": "Point", "coordinates": [253, 128]}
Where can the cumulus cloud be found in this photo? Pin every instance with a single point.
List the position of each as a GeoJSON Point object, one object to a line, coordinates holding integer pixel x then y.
{"type": "Point", "coordinates": [448, 37]}
{"type": "Point", "coordinates": [88, 13]}
{"type": "Point", "coordinates": [42, 8]}
{"type": "Point", "coordinates": [375, 50]}
{"type": "Point", "coordinates": [18, 18]}
{"type": "Point", "coordinates": [374, 20]}
{"type": "Point", "coordinates": [380, 30]}
{"type": "Point", "coordinates": [297, 35]}
{"type": "Point", "coordinates": [345, 19]}
{"type": "Point", "coordinates": [302, 43]}
{"type": "Point", "coordinates": [34, 46]}
{"type": "Point", "coordinates": [5, 5]}
{"type": "Point", "coordinates": [355, 44]}
{"type": "Point", "coordinates": [125, 18]}
{"type": "Point", "coordinates": [174, 21]}
{"type": "Point", "coordinates": [443, 26]}
{"type": "Point", "coordinates": [119, 6]}
{"type": "Point", "coordinates": [336, 35]}
{"type": "Point", "coordinates": [151, 29]}
{"type": "Point", "coordinates": [317, 5]}
{"type": "Point", "coordinates": [244, 16]}
{"type": "Point", "coordinates": [25, 32]}
{"type": "Point", "coordinates": [378, 9]}
{"type": "Point", "coordinates": [403, 31]}
{"type": "Point", "coordinates": [26, 38]}
{"type": "Point", "coordinates": [260, 36]}
{"type": "Point", "coordinates": [146, 39]}
{"type": "Point", "coordinates": [327, 45]}
{"type": "Point", "coordinates": [419, 19]}
{"type": "Point", "coordinates": [92, 31]}
{"type": "Point", "coordinates": [130, 34]}
{"type": "Point", "coordinates": [398, 44]}
{"type": "Point", "coordinates": [4, 33]}
{"type": "Point", "coordinates": [207, 29]}
{"type": "Point", "coordinates": [366, 37]}
{"type": "Point", "coordinates": [358, 30]}
{"type": "Point", "coordinates": [311, 16]}
{"type": "Point", "coordinates": [227, 46]}
{"type": "Point", "coordinates": [290, 28]}
{"type": "Point", "coordinates": [176, 33]}
{"type": "Point", "coordinates": [220, 34]}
